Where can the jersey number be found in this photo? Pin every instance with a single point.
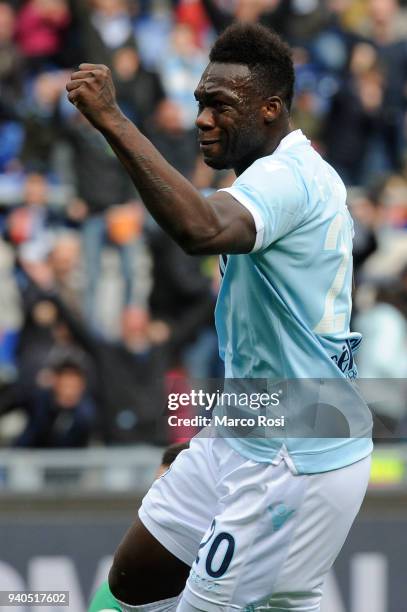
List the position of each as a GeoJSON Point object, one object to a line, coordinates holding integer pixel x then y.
{"type": "Point", "coordinates": [227, 558]}
{"type": "Point", "coordinates": [332, 323]}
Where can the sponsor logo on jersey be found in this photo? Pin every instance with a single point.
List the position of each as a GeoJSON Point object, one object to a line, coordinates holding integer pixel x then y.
{"type": "Point", "coordinates": [344, 360]}
{"type": "Point", "coordinates": [279, 515]}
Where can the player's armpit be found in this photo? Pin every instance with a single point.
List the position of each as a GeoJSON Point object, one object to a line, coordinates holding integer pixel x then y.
{"type": "Point", "coordinates": [236, 228]}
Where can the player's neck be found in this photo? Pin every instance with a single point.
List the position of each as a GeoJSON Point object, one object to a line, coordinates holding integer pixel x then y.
{"type": "Point", "coordinates": [276, 136]}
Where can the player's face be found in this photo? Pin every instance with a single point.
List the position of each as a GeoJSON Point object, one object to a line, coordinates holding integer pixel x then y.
{"type": "Point", "coordinates": [232, 131]}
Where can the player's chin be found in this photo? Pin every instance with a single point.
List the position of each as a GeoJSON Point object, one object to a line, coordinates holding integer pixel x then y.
{"type": "Point", "coordinates": [217, 163]}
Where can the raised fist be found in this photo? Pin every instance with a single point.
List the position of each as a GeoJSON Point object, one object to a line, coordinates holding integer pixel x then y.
{"type": "Point", "coordinates": [92, 91]}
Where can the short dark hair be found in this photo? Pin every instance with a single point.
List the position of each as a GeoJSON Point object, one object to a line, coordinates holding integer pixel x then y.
{"type": "Point", "coordinates": [71, 361]}
{"type": "Point", "coordinates": [264, 52]}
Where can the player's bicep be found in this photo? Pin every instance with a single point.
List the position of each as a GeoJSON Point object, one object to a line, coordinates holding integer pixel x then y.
{"type": "Point", "coordinates": [236, 227]}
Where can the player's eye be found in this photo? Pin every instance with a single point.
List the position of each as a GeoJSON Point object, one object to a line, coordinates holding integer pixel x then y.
{"type": "Point", "coordinates": [220, 106]}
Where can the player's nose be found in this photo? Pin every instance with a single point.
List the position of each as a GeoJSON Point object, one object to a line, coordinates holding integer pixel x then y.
{"type": "Point", "coordinates": [205, 120]}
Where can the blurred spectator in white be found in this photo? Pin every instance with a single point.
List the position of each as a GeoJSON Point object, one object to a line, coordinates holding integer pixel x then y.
{"type": "Point", "coordinates": [41, 25]}
{"type": "Point", "coordinates": [180, 69]}
{"type": "Point", "coordinates": [139, 91]}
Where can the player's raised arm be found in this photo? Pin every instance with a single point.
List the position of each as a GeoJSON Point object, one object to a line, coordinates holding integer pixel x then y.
{"type": "Point", "coordinates": [218, 224]}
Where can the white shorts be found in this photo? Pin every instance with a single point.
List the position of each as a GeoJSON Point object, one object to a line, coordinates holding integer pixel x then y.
{"type": "Point", "coordinates": [257, 536]}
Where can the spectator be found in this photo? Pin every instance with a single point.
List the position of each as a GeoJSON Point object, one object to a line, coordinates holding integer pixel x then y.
{"type": "Point", "coordinates": [38, 114]}
{"type": "Point", "coordinates": [180, 71]}
{"type": "Point", "coordinates": [304, 20]}
{"type": "Point", "coordinates": [29, 224]}
{"type": "Point", "coordinates": [331, 46]}
{"type": "Point", "coordinates": [178, 144]}
{"type": "Point", "coordinates": [306, 115]}
{"type": "Point", "coordinates": [270, 14]}
{"type": "Point", "coordinates": [110, 214]}
{"type": "Point", "coordinates": [139, 91]}
{"type": "Point", "coordinates": [181, 299]}
{"type": "Point", "coordinates": [387, 26]}
{"type": "Point", "coordinates": [62, 416]}
{"type": "Point", "coordinates": [111, 19]}
{"type": "Point", "coordinates": [383, 352]}
{"type": "Point", "coordinates": [66, 272]}
{"type": "Point", "coordinates": [43, 334]}
{"type": "Point", "coordinates": [129, 374]}
{"type": "Point", "coordinates": [41, 25]}
{"type": "Point", "coordinates": [10, 315]}
{"type": "Point", "coordinates": [354, 125]}
{"type": "Point", "coordinates": [152, 30]}
{"type": "Point", "coordinates": [11, 141]}
{"type": "Point", "coordinates": [385, 22]}
{"type": "Point", "coordinates": [367, 211]}
{"type": "Point", "coordinates": [11, 132]}
{"type": "Point", "coordinates": [10, 59]}
{"type": "Point", "coordinates": [105, 26]}
{"type": "Point", "coordinates": [193, 13]}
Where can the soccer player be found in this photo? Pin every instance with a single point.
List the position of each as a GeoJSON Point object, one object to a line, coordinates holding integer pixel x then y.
{"type": "Point", "coordinates": [247, 523]}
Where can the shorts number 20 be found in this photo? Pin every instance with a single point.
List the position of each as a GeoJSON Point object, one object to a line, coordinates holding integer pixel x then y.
{"type": "Point", "coordinates": [227, 558]}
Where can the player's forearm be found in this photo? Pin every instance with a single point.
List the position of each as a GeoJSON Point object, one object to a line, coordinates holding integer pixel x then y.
{"type": "Point", "coordinates": [171, 199]}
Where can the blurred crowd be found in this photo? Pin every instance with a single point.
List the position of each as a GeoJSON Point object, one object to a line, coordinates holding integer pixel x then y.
{"type": "Point", "coordinates": [101, 314]}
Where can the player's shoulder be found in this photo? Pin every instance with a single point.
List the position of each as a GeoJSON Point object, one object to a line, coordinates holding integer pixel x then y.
{"type": "Point", "coordinates": [293, 148]}
{"type": "Point", "coordinates": [272, 167]}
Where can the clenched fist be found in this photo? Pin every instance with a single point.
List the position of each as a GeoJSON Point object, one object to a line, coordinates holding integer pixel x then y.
{"type": "Point", "coordinates": [92, 91]}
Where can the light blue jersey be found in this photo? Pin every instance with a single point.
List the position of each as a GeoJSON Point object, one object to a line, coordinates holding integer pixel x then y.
{"type": "Point", "coordinates": [283, 311]}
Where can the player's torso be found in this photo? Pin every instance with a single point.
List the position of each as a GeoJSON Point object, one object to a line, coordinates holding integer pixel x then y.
{"type": "Point", "coordinates": [285, 311]}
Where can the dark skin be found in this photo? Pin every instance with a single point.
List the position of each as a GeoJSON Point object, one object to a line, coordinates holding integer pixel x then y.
{"type": "Point", "coordinates": [245, 125]}
{"type": "Point", "coordinates": [236, 125]}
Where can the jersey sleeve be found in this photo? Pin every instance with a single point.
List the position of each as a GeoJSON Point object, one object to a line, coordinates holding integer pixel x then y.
{"type": "Point", "coordinates": [274, 196]}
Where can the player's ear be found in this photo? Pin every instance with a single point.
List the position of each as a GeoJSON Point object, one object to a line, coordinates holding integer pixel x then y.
{"type": "Point", "coordinates": [272, 108]}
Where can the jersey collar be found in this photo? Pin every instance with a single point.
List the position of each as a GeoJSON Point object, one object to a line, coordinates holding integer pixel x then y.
{"type": "Point", "coordinates": [293, 138]}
